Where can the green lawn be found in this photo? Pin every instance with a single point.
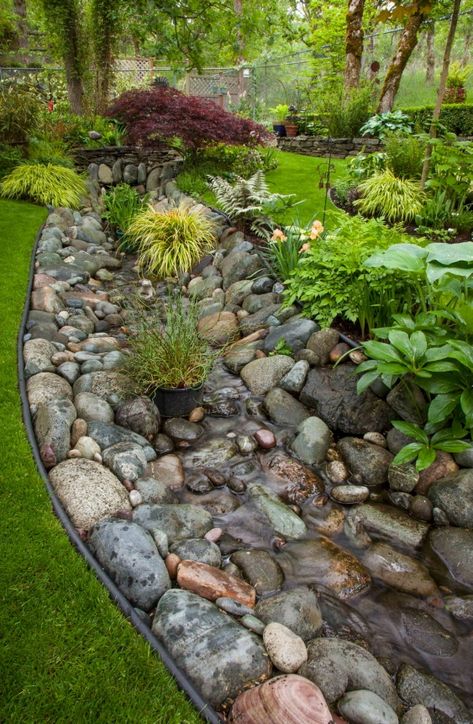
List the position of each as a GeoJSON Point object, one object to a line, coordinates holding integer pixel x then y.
{"type": "Point", "coordinates": [300, 175]}
{"type": "Point", "coordinates": [66, 653]}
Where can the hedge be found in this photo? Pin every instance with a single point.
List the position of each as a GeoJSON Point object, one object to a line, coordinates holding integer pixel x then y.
{"type": "Point", "coordinates": [455, 117]}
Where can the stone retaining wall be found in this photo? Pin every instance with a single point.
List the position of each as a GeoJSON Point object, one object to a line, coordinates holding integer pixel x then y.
{"type": "Point", "coordinates": [321, 146]}
{"type": "Point", "coordinates": [146, 168]}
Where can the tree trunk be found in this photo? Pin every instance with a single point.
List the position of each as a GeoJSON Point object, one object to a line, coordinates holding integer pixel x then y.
{"type": "Point", "coordinates": [430, 54]}
{"type": "Point", "coordinates": [407, 43]}
{"type": "Point", "coordinates": [442, 84]}
{"type": "Point", "coordinates": [21, 40]}
{"type": "Point", "coordinates": [354, 43]}
{"type": "Point", "coordinates": [72, 55]}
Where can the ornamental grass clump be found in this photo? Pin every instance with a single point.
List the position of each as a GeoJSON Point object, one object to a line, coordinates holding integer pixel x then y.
{"type": "Point", "coordinates": [391, 198]}
{"type": "Point", "coordinates": [45, 184]}
{"type": "Point", "coordinates": [170, 242]}
{"type": "Point", "coordinates": [169, 353]}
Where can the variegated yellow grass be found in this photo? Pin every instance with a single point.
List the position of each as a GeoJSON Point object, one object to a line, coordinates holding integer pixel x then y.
{"type": "Point", "coordinates": [170, 242]}
{"type": "Point", "coordinates": [45, 184]}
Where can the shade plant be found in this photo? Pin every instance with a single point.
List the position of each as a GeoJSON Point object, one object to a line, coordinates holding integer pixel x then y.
{"type": "Point", "coordinates": [20, 109]}
{"type": "Point", "coordinates": [122, 203]}
{"type": "Point", "coordinates": [382, 123]}
{"type": "Point", "coordinates": [172, 241]}
{"type": "Point", "coordinates": [394, 199]}
{"type": "Point", "coordinates": [162, 113]}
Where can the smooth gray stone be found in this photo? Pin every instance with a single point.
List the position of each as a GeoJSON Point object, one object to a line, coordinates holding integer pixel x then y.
{"type": "Point", "coordinates": [297, 609]}
{"type": "Point", "coordinates": [177, 521]}
{"type": "Point", "coordinates": [140, 415]}
{"type": "Point", "coordinates": [416, 687]}
{"type": "Point", "coordinates": [313, 440]}
{"type": "Point", "coordinates": [129, 554]}
{"type": "Point", "coordinates": [260, 570]}
{"type": "Point", "coordinates": [284, 409]}
{"type": "Point", "coordinates": [91, 407]}
{"type": "Point", "coordinates": [370, 462]}
{"type": "Point", "coordinates": [365, 707]}
{"type": "Point", "coordinates": [235, 608]}
{"type": "Point", "coordinates": [52, 423]}
{"type": "Point", "coordinates": [454, 495]}
{"type": "Point", "coordinates": [198, 549]}
{"type": "Point", "coordinates": [126, 459]}
{"type": "Point", "coordinates": [219, 656]}
{"type": "Point", "coordinates": [155, 491]}
{"type": "Point", "coordinates": [294, 333]}
{"type": "Point", "coordinates": [295, 379]}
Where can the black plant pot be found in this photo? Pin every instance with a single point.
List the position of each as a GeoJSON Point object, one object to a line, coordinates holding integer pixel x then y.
{"type": "Point", "coordinates": [279, 129]}
{"type": "Point", "coordinates": [177, 402]}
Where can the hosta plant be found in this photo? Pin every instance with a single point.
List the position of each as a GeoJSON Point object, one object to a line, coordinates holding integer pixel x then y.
{"type": "Point", "coordinates": [383, 123]}
{"type": "Point", "coordinates": [170, 242]}
{"type": "Point", "coordinates": [386, 196]}
{"type": "Point", "coordinates": [45, 184]}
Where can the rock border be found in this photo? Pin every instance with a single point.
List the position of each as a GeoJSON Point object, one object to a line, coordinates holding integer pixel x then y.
{"type": "Point", "coordinates": [202, 706]}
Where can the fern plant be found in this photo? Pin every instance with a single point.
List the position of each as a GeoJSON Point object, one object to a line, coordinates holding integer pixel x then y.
{"type": "Point", "coordinates": [394, 199]}
{"type": "Point", "coordinates": [170, 242]}
{"type": "Point", "coordinates": [249, 201]}
{"type": "Point", "coordinates": [45, 184]}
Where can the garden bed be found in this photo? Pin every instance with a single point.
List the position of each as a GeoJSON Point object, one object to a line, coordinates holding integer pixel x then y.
{"type": "Point", "coordinates": [270, 534]}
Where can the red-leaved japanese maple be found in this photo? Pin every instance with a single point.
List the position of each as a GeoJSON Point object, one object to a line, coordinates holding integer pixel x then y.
{"type": "Point", "coordinates": [160, 113]}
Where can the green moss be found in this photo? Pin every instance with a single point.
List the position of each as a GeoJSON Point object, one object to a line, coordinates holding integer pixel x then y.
{"type": "Point", "coordinates": [300, 175]}
{"type": "Point", "coordinates": [67, 653]}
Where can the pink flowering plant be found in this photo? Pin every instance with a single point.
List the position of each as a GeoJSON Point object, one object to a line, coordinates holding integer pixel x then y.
{"type": "Point", "coordinates": [286, 245]}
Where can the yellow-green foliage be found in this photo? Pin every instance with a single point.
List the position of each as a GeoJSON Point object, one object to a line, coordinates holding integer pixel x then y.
{"type": "Point", "coordinates": [172, 241]}
{"type": "Point", "coordinates": [394, 199]}
{"type": "Point", "coordinates": [45, 184]}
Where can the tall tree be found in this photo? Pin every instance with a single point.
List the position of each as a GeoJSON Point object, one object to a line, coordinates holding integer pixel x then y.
{"type": "Point", "coordinates": [430, 54]}
{"type": "Point", "coordinates": [106, 20]}
{"type": "Point", "coordinates": [354, 43]}
{"type": "Point", "coordinates": [416, 13]}
{"type": "Point", "coordinates": [441, 91]}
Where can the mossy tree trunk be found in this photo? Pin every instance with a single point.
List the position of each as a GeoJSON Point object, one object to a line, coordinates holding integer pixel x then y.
{"type": "Point", "coordinates": [354, 43]}
{"type": "Point", "coordinates": [430, 54]}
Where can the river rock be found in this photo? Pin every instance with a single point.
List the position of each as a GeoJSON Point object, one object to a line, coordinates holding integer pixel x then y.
{"type": "Point", "coordinates": [454, 495]}
{"type": "Point", "coordinates": [460, 607]}
{"type": "Point", "coordinates": [91, 407]}
{"type": "Point", "coordinates": [259, 320]}
{"type": "Point", "coordinates": [322, 343]}
{"type": "Point", "coordinates": [139, 414]}
{"type": "Point", "coordinates": [365, 707]}
{"type": "Point", "coordinates": [219, 329]}
{"type": "Point", "coordinates": [350, 494]}
{"type": "Point", "coordinates": [212, 583]}
{"type": "Point", "coordinates": [300, 482]}
{"type": "Point", "coordinates": [369, 462]}
{"type": "Point", "coordinates": [260, 570]}
{"type": "Point", "coordinates": [286, 650]}
{"type": "Point", "coordinates": [87, 447]}
{"type": "Point", "coordinates": [323, 563]}
{"type": "Point", "coordinates": [331, 392]}
{"type": "Point", "coordinates": [409, 402]}
{"type": "Point", "coordinates": [88, 491]}
{"type": "Point", "coordinates": [167, 470]}
{"type": "Point", "coordinates": [384, 522]}
{"type": "Point", "coordinates": [238, 291]}
{"type": "Point", "coordinates": [312, 441]}
{"type": "Point", "coordinates": [198, 549]}
{"type": "Point", "coordinates": [129, 555]}
{"type": "Point", "coordinates": [200, 288]}
{"type": "Point", "coordinates": [354, 668]}
{"type": "Point", "coordinates": [284, 409]}
{"type": "Point", "coordinates": [47, 387]}
{"type": "Point", "coordinates": [239, 356]}
{"type": "Point", "coordinates": [177, 521]}
{"type": "Point", "coordinates": [219, 656]}
{"type": "Point", "coordinates": [282, 519]}
{"type": "Point", "coordinates": [52, 424]}
{"type": "Point", "coordinates": [254, 302]}
{"type": "Point", "coordinates": [37, 355]}
{"type": "Point", "coordinates": [454, 547]}
{"type": "Point", "coordinates": [290, 699]}
{"type": "Point", "coordinates": [45, 299]}
{"type": "Point", "coordinates": [403, 477]}
{"type": "Point", "coordinates": [70, 371]}
{"type": "Point", "coordinates": [107, 434]}
{"type": "Point", "coordinates": [262, 375]}
{"type": "Point", "coordinates": [297, 609]}
{"type": "Point", "coordinates": [110, 385]}
{"type": "Point", "coordinates": [237, 266]}
{"type": "Point", "coordinates": [399, 571]}
{"type": "Point", "coordinates": [295, 379]}
{"type": "Point", "coordinates": [126, 459]}
{"type": "Point", "coordinates": [295, 334]}
{"type": "Point", "coordinates": [154, 491]}
{"type": "Point", "coordinates": [443, 467]}
{"type": "Point", "coordinates": [211, 455]}
{"type": "Point", "coordinates": [418, 714]}
{"type": "Point", "coordinates": [416, 687]}
{"type": "Point", "coordinates": [180, 429]}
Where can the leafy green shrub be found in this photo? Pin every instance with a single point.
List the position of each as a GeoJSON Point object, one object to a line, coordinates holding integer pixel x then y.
{"type": "Point", "coordinates": [458, 75]}
{"type": "Point", "coordinates": [383, 123]}
{"type": "Point", "coordinates": [193, 183]}
{"type": "Point", "coordinates": [170, 242]}
{"type": "Point", "coordinates": [332, 281]}
{"type": "Point", "coordinates": [311, 124]}
{"type": "Point", "coordinates": [249, 201]}
{"type": "Point", "coordinates": [45, 184]}
{"type": "Point", "coordinates": [394, 199]}
{"type": "Point", "coordinates": [451, 170]}
{"type": "Point", "coordinates": [344, 114]}
{"type": "Point", "coordinates": [122, 203]}
{"type": "Point", "coordinates": [239, 160]}
{"type": "Point", "coordinates": [40, 150]}
{"type": "Point", "coordinates": [454, 117]}
{"type": "Point", "coordinates": [364, 165]}
{"type": "Point", "coordinates": [169, 354]}
{"type": "Point", "coordinates": [404, 154]}
{"type": "Point", "coordinates": [9, 158]}
{"type": "Point", "coordinates": [74, 130]}
{"type": "Point", "coordinates": [20, 110]}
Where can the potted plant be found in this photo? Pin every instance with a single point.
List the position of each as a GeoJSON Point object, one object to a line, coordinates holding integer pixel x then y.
{"type": "Point", "coordinates": [291, 122]}
{"type": "Point", "coordinates": [279, 113]}
{"type": "Point", "coordinates": [457, 77]}
{"type": "Point", "coordinates": [169, 360]}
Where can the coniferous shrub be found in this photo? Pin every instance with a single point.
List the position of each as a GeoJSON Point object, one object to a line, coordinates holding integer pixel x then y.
{"type": "Point", "coordinates": [160, 113]}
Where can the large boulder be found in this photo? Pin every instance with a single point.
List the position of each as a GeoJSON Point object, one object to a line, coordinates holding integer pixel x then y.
{"type": "Point", "coordinates": [46, 387]}
{"type": "Point", "coordinates": [331, 392]}
{"type": "Point", "coordinates": [454, 547]}
{"type": "Point", "coordinates": [52, 424]}
{"type": "Point", "coordinates": [139, 414]}
{"type": "Point", "coordinates": [262, 375]}
{"type": "Point", "coordinates": [294, 333]}
{"type": "Point", "coordinates": [37, 355]}
{"type": "Point", "coordinates": [454, 495]}
{"type": "Point", "coordinates": [237, 266]}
